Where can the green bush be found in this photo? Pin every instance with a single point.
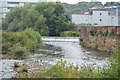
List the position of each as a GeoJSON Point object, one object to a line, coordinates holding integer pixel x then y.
{"type": "Point", "coordinates": [32, 41]}
{"type": "Point", "coordinates": [70, 34]}
{"type": "Point", "coordinates": [111, 33]}
{"type": "Point", "coordinates": [105, 33]}
{"type": "Point", "coordinates": [17, 51]}
{"type": "Point", "coordinates": [93, 31]}
{"type": "Point", "coordinates": [65, 70]}
{"type": "Point", "coordinates": [16, 65]}
{"type": "Point", "coordinates": [99, 33]}
{"type": "Point", "coordinates": [23, 68]}
{"type": "Point", "coordinates": [17, 44]}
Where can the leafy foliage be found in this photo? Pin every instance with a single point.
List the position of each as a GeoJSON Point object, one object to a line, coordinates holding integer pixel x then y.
{"type": "Point", "coordinates": [23, 68]}
{"type": "Point", "coordinates": [46, 18]}
{"type": "Point", "coordinates": [93, 31]}
{"type": "Point", "coordinates": [99, 33]}
{"type": "Point", "coordinates": [70, 34]}
{"type": "Point", "coordinates": [21, 18]}
{"type": "Point", "coordinates": [65, 70]}
{"type": "Point", "coordinates": [111, 33]}
{"type": "Point", "coordinates": [80, 7]}
{"type": "Point", "coordinates": [84, 6]}
{"type": "Point", "coordinates": [56, 20]}
{"type": "Point", "coordinates": [16, 44]}
{"type": "Point", "coordinates": [16, 65]}
{"type": "Point", "coordinates": [105, 33]}
{"type": "Point", "coordinates": [112, 4]}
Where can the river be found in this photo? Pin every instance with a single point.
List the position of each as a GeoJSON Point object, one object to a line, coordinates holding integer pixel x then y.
{"type": "Point", "coordinates": [53, 51]}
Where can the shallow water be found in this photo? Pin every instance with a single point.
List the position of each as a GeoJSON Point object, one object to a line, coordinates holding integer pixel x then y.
{"type": "Point", "coordinates": [74, 53]}
{"type": "Point", "coordinates": [54, 51]}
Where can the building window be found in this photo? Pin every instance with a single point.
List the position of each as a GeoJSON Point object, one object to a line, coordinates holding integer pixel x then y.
{"type": "Point", "coordinates": [100, 19]}
{"type": "Point", "coordinates": [100, 13]}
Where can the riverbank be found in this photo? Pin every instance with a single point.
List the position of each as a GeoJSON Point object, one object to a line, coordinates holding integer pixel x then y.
{"type": "Point", "coordinates": [72, 52]}
{"type": "Point", "coordinates": [63, 69]}
{"type": "Point", "coordinates": [17, 45]}
{"type": "Point", "coordinates": [102, 43]}
{"type": "Point", "coordinates": [30, 68]}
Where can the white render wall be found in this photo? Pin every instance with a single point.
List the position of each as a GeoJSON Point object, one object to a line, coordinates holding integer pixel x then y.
{"type": "Point", "coordinates": [79, 19]}
{"type": "Point", "coordinates": [106, 19]}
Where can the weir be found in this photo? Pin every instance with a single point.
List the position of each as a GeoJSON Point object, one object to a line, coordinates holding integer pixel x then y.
{"type": "Point", "coordinates": [60, 39]}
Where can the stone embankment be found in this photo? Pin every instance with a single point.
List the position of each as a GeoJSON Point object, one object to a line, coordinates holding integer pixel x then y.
{"type": "Point", "coordinates": [102, 43]}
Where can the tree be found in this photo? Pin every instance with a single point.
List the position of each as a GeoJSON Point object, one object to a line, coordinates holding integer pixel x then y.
{"type": "Point", "coordinates": [24, 17]}
{"type": "Point", "coordinates": [112, 4]}
{"type": "Point", "coordinates": [56, 20]}
{"type": "Point", "coordinates": [80, 7]}
{"type": "Point", "coordinates": [46, 18]}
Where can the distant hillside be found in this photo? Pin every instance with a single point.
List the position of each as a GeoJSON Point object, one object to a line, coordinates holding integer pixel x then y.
{"type": "Point", "coordinates": [79, 7]}
{"type": "Point", "coordinates": [84, 6]}
{"type": "Point", "coordinates": [111, 4]}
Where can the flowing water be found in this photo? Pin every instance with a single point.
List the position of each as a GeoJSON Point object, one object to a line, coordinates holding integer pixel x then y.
{"type": "Point", "coordinates": [54, 51]}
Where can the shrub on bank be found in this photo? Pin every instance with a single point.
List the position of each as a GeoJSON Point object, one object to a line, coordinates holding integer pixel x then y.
{"type": "Point", "coordinates": [93, 32]}
{"type": "Point", "coordinates": [64, 70]}
{"type": "Point", "coordinates": [111, 33]}
{"type": "Point", "coordinates": [16, 65]}
{"type": "Point", "coordinates": [105, 33]}
{"type": "Point", "coordinates": [23, 68]}
{"type": "Point", "coordinates": [70, 34]}
{"type": "Point", "coordinates": [16, 44]}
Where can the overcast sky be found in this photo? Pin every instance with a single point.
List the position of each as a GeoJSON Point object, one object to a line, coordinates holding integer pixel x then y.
{"type": "Point", "coordinates": [76, 1]}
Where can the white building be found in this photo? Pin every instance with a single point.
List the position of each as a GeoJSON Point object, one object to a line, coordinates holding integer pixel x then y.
{"type": "Point", "coordinates": [6, 5]}
{"type": "Point", "coordinates": [109, 16]}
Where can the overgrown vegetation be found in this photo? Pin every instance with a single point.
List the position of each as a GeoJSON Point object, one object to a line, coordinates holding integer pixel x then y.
{"type": "Point", "coordinates": [16, 65]}
{"type": "Point", "coordinates": [46, 18]}
{"type": "Point", "coordinates": [84, 6]}
{"type": "Point", "coordinates": [23, 68]}
{"type": "Point", "coordinates": [80, 7]}
{"type": "Point", "coordinates": [107, 4]}
{"type": "Point", "coordinates": [94, 32]}
{"type": "Point", "coordinates": [65, 70]}
{"type": "Point", "coordinates": [111, 33]}
{"type": "Point", "coordinates": [16, 44]}
{"type": "Point", "coordinates": [70, 34]}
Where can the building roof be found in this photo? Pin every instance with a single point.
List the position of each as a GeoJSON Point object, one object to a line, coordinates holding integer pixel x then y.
{"type": "Point", "coordinates": [97, 7]}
